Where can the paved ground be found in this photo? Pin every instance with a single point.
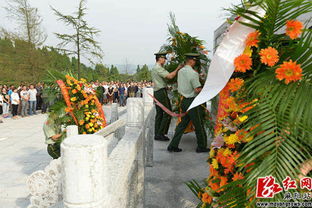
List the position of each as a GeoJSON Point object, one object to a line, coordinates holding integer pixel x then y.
{"type": "Point", "coordinates": [23, 151]}
{"type": "Point", "coordinates": [166, 179]}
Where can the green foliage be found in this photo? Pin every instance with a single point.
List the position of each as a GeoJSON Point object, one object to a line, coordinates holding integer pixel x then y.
{"type": "Point", "coordinates": [82, 39]}
{"type": "Point", "coordinates": [15, 57]}
{"type": "Point", "coordinates": [143, 73]}
{"type": "Point", "coordinates": [283, 112]}
{"type": "Point", "coordinates": [180, 43]}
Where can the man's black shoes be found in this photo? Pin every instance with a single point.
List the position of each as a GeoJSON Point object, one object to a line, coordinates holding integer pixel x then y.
{"type": "Point", "coordinates": [161, 138]}
{"type": "Point", "coordinates": [199, 150]}
{"type": "Point", "coordinates": [174, 149]}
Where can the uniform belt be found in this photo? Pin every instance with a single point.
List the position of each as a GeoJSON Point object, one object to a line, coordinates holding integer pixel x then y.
{"type": "Point", "coordinates": [187, 98]}
{"type": "Point", "coordinates": [161, 89]}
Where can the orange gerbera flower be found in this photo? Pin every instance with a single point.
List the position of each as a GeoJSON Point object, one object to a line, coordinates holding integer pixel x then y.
{"type": "Point", "coordinates": [223, 181]}
{"type": "Point", "coordinates": [213, 186]}
{"type": "Point", "coordinates": [81, 122]}
{"type": "Point", "coordinates": [74, 91]}
{"type": "Point", "coordinates": [206, 198]}
{"type": "Point", "coordinates": [242, 63]}
{"type": "Point", "coordinates": [241, 134]}
{"type": "Point", "coordinates": [252, 39]}
{"type": "Point", "coordinates": [238, 176]}
{"type": "Point", "coordinates": [69, 109]}
{"type": "Point", "coordinates": [293, 28]}
{"type": "Point", "coordinates": [290, 71]}
{"type": "Point", "coordinates": [235, 84]}
{"type": "Point", "coordinates": [269, 56]}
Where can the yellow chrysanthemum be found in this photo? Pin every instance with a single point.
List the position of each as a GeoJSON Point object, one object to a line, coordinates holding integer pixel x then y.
{"type": "Point", "coordinates": [243, 118]}
{"type": "Point", "coordinates": [212, 153]}
{"type": "Point", "coordinates": [73, 99]}
{"type": "Point", "coordinates": [227, 152]}
{"type": "Point", "coordinates": [232, 139]}
{"type": "Point", "coordinates": [215, 164]}
{"type": "Point", "coordinates": [248, 139]}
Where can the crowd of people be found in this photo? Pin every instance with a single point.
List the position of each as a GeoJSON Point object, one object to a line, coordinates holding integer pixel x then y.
{"type": "Point", "coordinates": [27, 100]}
{"type": "Point", "coordinates": [118, 92]}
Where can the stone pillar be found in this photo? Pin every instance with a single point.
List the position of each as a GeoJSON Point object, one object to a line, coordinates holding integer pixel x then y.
{"type": "Point", "coordinates": [71, 130]}
{"type": "Point", "coordinates": [114, 113]}
{"type": "Point", "coordinates": [149, 138]}
{"type": "Point", "coordinates": [146, 97]}
{"type": "Point", "coordinates": [135, 114]}
{"type": "Point", "coordinates": [84, 163]}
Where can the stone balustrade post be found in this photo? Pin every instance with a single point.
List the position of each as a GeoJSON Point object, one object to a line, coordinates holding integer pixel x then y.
{"type": "Point", "coordinates": [135, 112]}
{"type": "Point", "coordinates": [85, 175]}
{"type": "Point", "coordinates": [114, 112]}
{"type": "Point", "coordinates": [71, 130]}
{"type": "Point", "coordinates": [149, 140]}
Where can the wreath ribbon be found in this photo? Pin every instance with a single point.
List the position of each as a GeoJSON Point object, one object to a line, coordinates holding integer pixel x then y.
{"type": "Point", "coordinates": [65, 94]}
{"type": "Point", "coordinates": [166, 109]}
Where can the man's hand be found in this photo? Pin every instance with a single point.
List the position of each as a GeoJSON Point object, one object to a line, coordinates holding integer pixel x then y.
{"type": "Point", "coordinates": [198, 89]}
{"type": "Point", "coordinates": [56, 137]}
{"type": "Point", "coordinates": [180, 67]}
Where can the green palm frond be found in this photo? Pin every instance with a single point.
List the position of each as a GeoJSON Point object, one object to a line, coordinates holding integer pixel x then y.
{"type": "Point", "coordinates": [281, 120]}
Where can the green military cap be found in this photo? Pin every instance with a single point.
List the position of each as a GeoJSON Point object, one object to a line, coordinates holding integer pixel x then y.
{"type": "Point", "coordinates": [194, 56]}
{"type": "Point", "coordinates": [161, 55]}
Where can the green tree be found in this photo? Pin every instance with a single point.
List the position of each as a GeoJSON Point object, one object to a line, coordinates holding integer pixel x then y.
{"type": "Point", "coordinates": [143, 74]}
{"type": "Point", "coordinates": [113, 73]}
{"type": "Point", "coordinates": [29, 22]}
{"type": "Point", "coordinates": [82, 39]}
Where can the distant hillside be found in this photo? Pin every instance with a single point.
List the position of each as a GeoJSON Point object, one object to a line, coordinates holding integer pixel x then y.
{"type": "Point", "coordinates": [131, 68]}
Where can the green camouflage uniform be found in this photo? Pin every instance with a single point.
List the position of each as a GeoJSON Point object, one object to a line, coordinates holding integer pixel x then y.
{"type": "Point", "coordinates": [188, 81]}
{"type": "Point", "coordinates": [162, 120]}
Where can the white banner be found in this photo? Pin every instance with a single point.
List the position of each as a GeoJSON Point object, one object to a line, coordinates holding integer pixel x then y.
{"type": "Point", "coordinates": [222, 64]}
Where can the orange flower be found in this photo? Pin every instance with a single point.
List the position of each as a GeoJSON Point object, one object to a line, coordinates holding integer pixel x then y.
{"type": "Point", "coordinates": [238, 176]}
{"type": "Point", "coordinates": [206, 198]}
{"type": "Point", "coordinates": [269, 56]}
{"type": "Point", "coordinates": [213, 186]}
{"type": "Point", "coordinates": [223, 181]}
{"type": "Point", "coordinates": [87, 126]}
{"type": "Point", "coordinates": [69, 109]}
{"type": "Point", "coordinates": [241, 134]}
{"type": "Point", "coordinates": [73, 99]}
{"type": "Point", "coordinates": [81, 122]}
{"type": "Point", "coordinates": [205, 52]}
{"type": "Point", "coordinates": [242, 63]}
{"type": "Point", "coordinates": [74, 91]}
{"type": "Point", "coordinates": [293, 28]}
{"type": "Point", "coordinates": [202, 47]}
{"type": "Point", "coordinates": [252, 39]}
{"type": "Point", "coordinates": [290, 71]}
{"type": "Point", "coordinates": [235, 84]}
{"type": "Point", "coordinates": [213, 172]}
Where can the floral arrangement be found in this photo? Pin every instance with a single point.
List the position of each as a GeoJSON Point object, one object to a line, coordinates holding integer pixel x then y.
{"type": "Point", "coordinates": [75, 103]}
{"type": "Point", "coordinates": [83, 105]}
{"type": "Point", "coordinates": [261, 119]}
{"type": "Point", "coordinates": [178, 44]}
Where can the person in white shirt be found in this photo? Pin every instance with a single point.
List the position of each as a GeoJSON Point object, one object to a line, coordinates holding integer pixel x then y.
{"type": "Point", "coordinates": [15, 102]}
{"type": "Point", "coordinates": [24, 100]}
{"type": "Point", "coordinates": [32, 100]}
{"type": "Point", "coordinates": [105, 93]}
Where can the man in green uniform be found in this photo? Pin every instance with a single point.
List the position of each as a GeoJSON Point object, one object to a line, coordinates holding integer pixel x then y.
{"type": "Point", "coordinates": [54, 137]}
{"type": "Point", "coordinates": [189, 86]}
{"type": "Point", "coordinates": [159, 76]}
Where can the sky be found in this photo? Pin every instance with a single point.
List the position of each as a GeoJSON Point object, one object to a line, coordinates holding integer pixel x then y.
{"type": "Point", "coordinates": [133, 30]}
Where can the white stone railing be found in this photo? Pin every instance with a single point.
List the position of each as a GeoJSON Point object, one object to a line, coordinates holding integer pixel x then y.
{"type": "Point", "coordinates": [107, 169]}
